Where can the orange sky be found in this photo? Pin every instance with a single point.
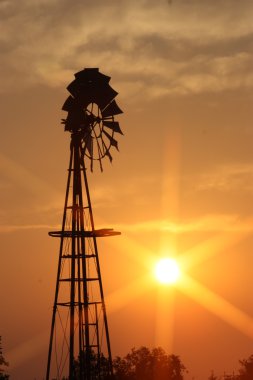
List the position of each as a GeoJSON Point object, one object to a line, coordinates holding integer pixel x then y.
{"type": "Point", "coordinates": [182, 181]}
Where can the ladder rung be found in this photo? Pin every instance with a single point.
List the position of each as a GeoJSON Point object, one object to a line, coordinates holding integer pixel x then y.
{"type": "Point", "coordinates": [92, 345]}
{"type": "Point", "coordinates": [76, 207]}
{"type": "Point", "coordinates": [79, 279]}
{"type": "Point", "coordinates": [79, 303]}
{"type": "Point", "coordinates": [69, 256]}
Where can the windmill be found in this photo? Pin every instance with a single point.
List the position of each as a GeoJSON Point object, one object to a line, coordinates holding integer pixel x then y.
{"type": "Point", "coordinates": [79, 345]}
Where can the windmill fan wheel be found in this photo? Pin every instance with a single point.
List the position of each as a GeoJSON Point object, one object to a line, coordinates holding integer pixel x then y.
{"type": "Point", "coordinates": [91, 109]}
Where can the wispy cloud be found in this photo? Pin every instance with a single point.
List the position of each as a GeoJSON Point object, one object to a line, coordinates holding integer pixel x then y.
{"type": "Point", "coordinates": [12, 228]}
{"type": "Point", "coordinates": [227, 178]}
{"type": "Point", "coordinates": [208, 223]}
{"type": "Point", "coordinates": [25, 196]}
{"type": "Point", "coordinates": [185, 48]}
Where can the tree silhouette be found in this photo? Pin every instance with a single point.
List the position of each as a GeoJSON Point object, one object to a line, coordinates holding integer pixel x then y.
{"type": "Point", "coordinates": [213, 377]}
{"type": "Point", "coordinates": [99, 367]}
{"type": "Point", "coordinates": [230, 377]}
{"type": "Point", "coordinates": [146, 364]}
{"type": "Point", "coordinates": [246, 370]}
{"type": "Point", "coordinates": [3, 363]}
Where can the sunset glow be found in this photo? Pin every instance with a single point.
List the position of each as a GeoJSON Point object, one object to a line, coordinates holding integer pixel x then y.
{"type": "Point", "coordinates": [167, 271]}
{"type": "Point", "coordinates": [177, 183]}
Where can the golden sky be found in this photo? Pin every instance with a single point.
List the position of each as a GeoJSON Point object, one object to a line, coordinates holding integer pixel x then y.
{"type": "Point", "coordinates": [182, 182]}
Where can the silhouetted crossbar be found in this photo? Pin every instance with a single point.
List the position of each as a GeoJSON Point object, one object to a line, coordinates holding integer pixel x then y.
{"type": "Point", "coordinates": [96, 233]}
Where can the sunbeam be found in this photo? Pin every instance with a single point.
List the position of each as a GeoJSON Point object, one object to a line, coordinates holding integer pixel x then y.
{"type": "Point", "coordinates": [217, 305]}
{"type": "Point", "coordinates": [211, 247]}
{"type": "Point", "coordinates": [127, 294]}
{"type": "Point", "coordinates": [164, 323]}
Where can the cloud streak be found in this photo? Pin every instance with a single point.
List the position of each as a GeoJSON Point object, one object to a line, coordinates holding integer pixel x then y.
{"type": "Point", "coordinates": [209, 223]}
{"type": "Point", "coordinates": [185, 48]}
{"type": "Point", "coordinates": [227, 178]}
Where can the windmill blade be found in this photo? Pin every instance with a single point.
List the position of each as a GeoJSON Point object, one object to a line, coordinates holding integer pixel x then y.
{"type": "Point", "coordinates": [113, 142]}
{"type": "Point", "coordinates": [111, 109]}
{"type": "Point", "coordinates": [108, 154]}
{"type": "Point", "coordinates": [88, 144]}
{"type": "Point", "coordinates": [114, 125]}
{"type": "Point", "coordinates": [91, 164]}
{"type": "Point", "coordinates": [92, 74]}
{"type": "Point", "coordinates": [105, 96]}
{"type": "Point", "coordinates": [90, 85]}
{"type": "Point", "coordinates": [73, 87]}
{"type": "Point", "coordinates": [70, 104]}
{"type": "Point", "coordinates": [87, 73]}
{"type": "Point", "coordinates": [75, 120]}
{"type": "Point", "coordinates": [106, 151]}
{"type": "Point", "coordinates": [100, 163]}
{"type": "Point", "coordinates": [91, 107]}
{"type": "Point", "coordinates": [87, 92]}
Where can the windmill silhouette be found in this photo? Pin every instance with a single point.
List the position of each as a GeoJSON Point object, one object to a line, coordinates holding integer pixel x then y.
{"type": "Point", "coordinates": [79, 346]}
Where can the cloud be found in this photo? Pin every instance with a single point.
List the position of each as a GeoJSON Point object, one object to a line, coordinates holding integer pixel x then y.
{"type": "Point", "coordinates": [184, 48]}
{"type": "Point", "coordinates": [27, 350]}
{"type": "Point", "coordinates": [25, 197]}
{"type": "Point", "coordinates": [12, 228]}
{"type": "Point", "coordinates": [227, 178]}
{"type": "Point", "coordinates": [208, 223]}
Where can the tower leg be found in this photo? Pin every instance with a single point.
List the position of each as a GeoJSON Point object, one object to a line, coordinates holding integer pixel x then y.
{"type": "Point", "coordinates": [59, 269]}
{"type": "Point", "coordinates": [79, 331]}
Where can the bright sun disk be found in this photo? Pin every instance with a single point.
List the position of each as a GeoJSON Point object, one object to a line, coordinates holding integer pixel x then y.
{"type": "Point", "coordinates": [167, 271]}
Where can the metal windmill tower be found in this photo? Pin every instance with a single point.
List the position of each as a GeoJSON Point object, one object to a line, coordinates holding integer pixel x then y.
{"type": "Point", "coordinates": [79, 346]}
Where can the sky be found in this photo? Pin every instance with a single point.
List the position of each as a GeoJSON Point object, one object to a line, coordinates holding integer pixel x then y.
{"type": "Point", "coordinates": [181, 185]}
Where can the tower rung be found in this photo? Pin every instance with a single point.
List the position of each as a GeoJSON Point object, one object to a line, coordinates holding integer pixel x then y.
{"type": "Point", "coordinates": [92, 346]}
{"type": "Point", "coordinates": [78, 279]}
{"type": "Point", "coordinates": [78, 256]}
{"type": "Point", "coordinates": [95, 303]}
{"type": "Point", "coordinates": [79, 303]}
{"type": "Point", "coordinates": [74, 207]}
{"type": "Point", "coordinates": [102, 232]}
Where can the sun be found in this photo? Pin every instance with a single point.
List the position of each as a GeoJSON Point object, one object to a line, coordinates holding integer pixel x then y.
{"type": "Point", "coordinates": [167, 271]}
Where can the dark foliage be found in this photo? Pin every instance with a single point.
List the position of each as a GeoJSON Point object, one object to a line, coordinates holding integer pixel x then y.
{"type": "Point", "coordinates": [3, 363]}
{"type": "Point", "coordinates": [246, 370]}
{"type": "Point", "coordinates": [146, 364]}
{"type": "Point", "coordinates": [213, 377]}
{"type": "Point", "coordinates": [99, 367]}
